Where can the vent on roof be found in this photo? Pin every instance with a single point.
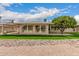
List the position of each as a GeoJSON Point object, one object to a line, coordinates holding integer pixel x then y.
{"type": "Point", "coordinates": [12, 21]}
{"type": "Point", "coordinates": [45, 20]}
{"type": "Point", "coordinates": [0, 19]}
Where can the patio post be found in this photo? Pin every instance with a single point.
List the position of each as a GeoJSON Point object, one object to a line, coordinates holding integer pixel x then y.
{"type": "Point", "coordinates": [20, 29]}
{"type": "Point", "coordinates": [27, 27]}
{"type": "Point", "coordinates": [40, 29]}
{"type": "Point", "coordinates": [2, 29]}
{"type": "Point", "coordinates": [34, 28]}
{"type": "Point", "coordinates": [47, 30]}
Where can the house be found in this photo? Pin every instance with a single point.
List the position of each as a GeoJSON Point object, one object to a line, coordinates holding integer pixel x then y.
{"type": "Point", "coordinates": [31, 28]}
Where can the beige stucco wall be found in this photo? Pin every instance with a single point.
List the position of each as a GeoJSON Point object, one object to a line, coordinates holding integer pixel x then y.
{"type": "Point", "coordinates": [77, 29]}
{"type": "Point", "coordinates": [69, 30]}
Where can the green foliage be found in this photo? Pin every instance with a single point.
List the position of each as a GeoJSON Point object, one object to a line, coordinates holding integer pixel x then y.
{"type": "Point", "coordinates": [64, 22]}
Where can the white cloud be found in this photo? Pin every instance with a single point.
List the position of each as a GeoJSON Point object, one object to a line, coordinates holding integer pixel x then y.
{"type": "Point", "coordinates": [1, 9]}
{"type": "Point", "coordinates": [42, 12]}
{"type": "Point", "coordinates": [3, 6]}
{"type": "Point", "coordinates": [39, 13]}
{"type": "Point", "coordinates": [40, 9]}
{"type": "Point", "coordinates": [6, 4]}
{"type": "Point", "coordinates": [17, 5]}
{"type": "Point", "coordinates": [77, 18]}
{"type": "Point", "coordinates": [67, 9]}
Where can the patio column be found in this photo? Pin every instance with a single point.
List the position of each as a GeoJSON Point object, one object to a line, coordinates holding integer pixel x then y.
{"type": "Point", "coordinates": [2, 29]}
{"type": "Point", "coordinates": [40, 29]}
{"type": "Point", "coordinates": [17, 29]}
{"type": "Point", "coordinates": [34, 28]}
{"type": "Point", "coordinates": [47, 29]}
{"type": "Point", "coordinates": [20, 29]}
{"type": "Point", "coordinates": [27, 27]}
{"type": "Point", "coordinates": [50, 27]}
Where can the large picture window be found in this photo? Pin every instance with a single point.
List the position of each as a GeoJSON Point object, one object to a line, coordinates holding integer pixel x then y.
{"type": "Point", "coordinates": [30, 28]}
{"type": "Point", "coordinates": [43, 28]}
{"type": "Point", "coordinates": [37, 28]}
{"type": "Point", "coordinates": [25, 28]}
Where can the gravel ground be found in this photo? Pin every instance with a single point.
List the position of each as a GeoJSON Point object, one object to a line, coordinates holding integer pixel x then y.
{"type": "Point", "coordinates": [39, 47]}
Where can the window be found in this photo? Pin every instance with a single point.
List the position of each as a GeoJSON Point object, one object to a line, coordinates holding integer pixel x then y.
{"type": "Point", "coordinates": [37, 28]}
{"type": "Point", "coordinates": [25, 28]}
{"type": "Point", "coordinates": [30, 28]}
{"type": "Point", "coordinates": [43, 28]}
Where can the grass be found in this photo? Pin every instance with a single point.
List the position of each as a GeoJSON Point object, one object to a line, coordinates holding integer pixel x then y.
{"type": "Point", "coordinates": [74, 35]}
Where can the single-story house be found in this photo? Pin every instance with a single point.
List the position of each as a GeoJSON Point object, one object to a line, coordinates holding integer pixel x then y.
{"type": "Point", "coordinates": [31, 28]}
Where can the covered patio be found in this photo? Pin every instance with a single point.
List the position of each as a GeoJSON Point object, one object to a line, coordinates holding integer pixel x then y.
{"type": "Point", "coordinates": [24, 28]}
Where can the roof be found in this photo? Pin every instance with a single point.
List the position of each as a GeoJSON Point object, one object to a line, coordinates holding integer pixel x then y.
{"type": "Point", "coordinates": [27, 23]}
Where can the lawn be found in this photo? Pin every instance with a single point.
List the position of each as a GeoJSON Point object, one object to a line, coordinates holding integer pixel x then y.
{"type": "Point", "coordinates": [41, 37]}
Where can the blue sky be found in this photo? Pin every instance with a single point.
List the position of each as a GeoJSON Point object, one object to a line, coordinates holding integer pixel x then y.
{"type": "Point", "coordinates": [38, 11]}
{"type": "Point", "coordinates": [26, 7]}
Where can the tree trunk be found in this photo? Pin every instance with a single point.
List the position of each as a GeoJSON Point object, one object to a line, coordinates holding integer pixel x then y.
{"type": "Point", "coordinates": [62, 30]}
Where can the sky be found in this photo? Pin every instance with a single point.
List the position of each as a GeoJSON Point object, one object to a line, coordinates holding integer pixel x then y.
{"type": "Point", "coordinates": [37, 12]}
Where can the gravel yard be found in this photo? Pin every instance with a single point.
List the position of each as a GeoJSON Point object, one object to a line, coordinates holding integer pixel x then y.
{"type": "Point", "coordinates": [39, 47]}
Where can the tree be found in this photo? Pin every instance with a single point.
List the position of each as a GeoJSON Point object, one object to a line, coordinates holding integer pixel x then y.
{"type": "Point", "coordinates": [64, 22]}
